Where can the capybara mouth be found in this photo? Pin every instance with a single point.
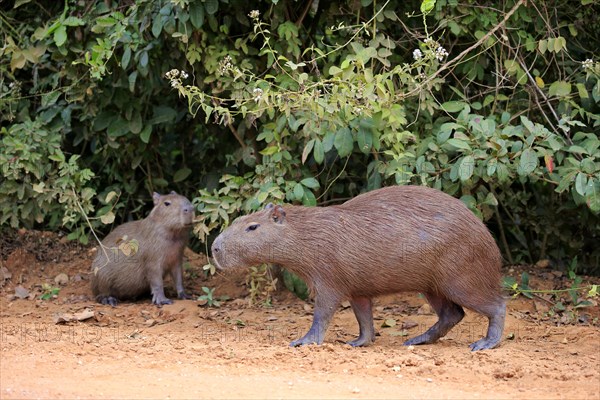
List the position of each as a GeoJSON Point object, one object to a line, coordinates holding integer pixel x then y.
{"type": "Point", "coordinates": [213, 261]}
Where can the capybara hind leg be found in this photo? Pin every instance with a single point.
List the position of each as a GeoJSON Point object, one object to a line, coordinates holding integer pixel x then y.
{"type": "Point", "coordinates": [362, 308]}
{"type": "Point", "coordinates": [496, 315]}
{"type": "Point", "coordinates": [325, 307]}
{"type": "Point", "coordinates": [449, 314]}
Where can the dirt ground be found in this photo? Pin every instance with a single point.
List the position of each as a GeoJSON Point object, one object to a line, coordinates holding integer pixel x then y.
{"type": "Point", "coordinates": [188, 350]}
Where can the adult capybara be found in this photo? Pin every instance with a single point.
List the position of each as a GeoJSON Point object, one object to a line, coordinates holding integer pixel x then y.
{"type": "Point", "coordinates": [136, 256]}
{"type": "Point", "coordinates": [400, 238]}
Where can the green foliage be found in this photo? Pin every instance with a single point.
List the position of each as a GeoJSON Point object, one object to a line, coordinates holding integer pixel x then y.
{"type": "Point", "coordinates": [209, 298]}
{"type": "Point", "coordinates": [308, 103]}
{"type": "Point", "coordinates": [49, 292]}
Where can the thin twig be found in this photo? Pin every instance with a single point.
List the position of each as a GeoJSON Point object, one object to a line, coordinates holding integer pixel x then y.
{"type": "Point", "coordinates": [466, 51]}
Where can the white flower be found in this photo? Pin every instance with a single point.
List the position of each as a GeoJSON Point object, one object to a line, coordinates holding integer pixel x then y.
{"type": "Point", "coordinates": [184, 75]}
{"type": "Point", "coordinates": [257, 93]}
{"type": "Point", "coordinates": [417, 55]}
{"type": "Point", "coordinates": [225, 65]}
{"type": "Point", "coordinates": [440, 53]}
{"type": "Point", "coordinates": [254, 14]}
{"type": "Point", "coordinates": [587, 64]}
{"type": "Point", "coordinates": [427, 40]}
{"type": "Point", "coordinates": [172, 74]}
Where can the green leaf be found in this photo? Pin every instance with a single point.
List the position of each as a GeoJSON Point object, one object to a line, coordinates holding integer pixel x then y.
{"type": "Point", "coordinates": [181, 174]}
{"type": "Point", "coordinates": [307, 149]}
{"type": "Point", "coordinates": [132, 78]}
{"type": "Point", "coordinates": [427, 6]}
{"type": "Point", "coordinates": [212, 6]}
{"type": "Point", "coordinates": [60, 35]}
{"type": "Point", "coordinates": [309, 199]}
{"type": "Point", "coordinates": [333, 70]}
{"type": "Point", "coordinates": [310, 183]}
{"type": "Point", "coordinates": [163, 114]}
{"type": "Point", "coordinates": [581, 183]}
{"type": "Point", "coordinates": [108, 218]}
{"type": "Point", "coordinates": [466, 168]}
{"type": "Point", "coordinates": [344, 142]}
{"type": "Point", "coordinates": [145, 134]}
{"type": "Point", "coordinates": [559, 89]}
{"type": "Point", "coordinates": [118, 127]}
{"type": "Point", "coordinates": [196, 14]}
{"type": "Point", "coordinates": [135, 124]}
{"type": "Point", "coordinates": [459, 144]}
{"type": "Point", "coordinates": [126, 57]}
{"type": "Point", "coordinates": [318, 152]}
{"type": "Point", "coordinates": [269, 151]}
{"type": "Point", "coordinates": [528, 162]}
{"type": "Point", "coordinates": [583, 93]}
{"type": "Point", "coordinates": [364, 139]}
{"type": "Point", "coordinates": [453, 106]}
{"type": "Point", "coordinates": [157, 25]}
{"type": "Point", "coordinates": [298, 191]}
{"type": "Point", "coordinates": [73, 21]}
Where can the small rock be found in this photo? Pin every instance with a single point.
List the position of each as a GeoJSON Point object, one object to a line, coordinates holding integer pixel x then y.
{"type": "Point", "coordinates": [345, 304]}
{"type": "Point", "coordinates": [542, 263]}
{"type": "Point", "coordinates": [429, 380]}
{"type": "Point", "coordinates": [21, 292]}
{"type": "Point", "coordinates": [356, 390]}
{"type": "Point", "coordinates": [61, 279]}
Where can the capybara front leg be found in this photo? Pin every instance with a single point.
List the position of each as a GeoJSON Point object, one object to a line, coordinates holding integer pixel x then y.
{"type": "Point", "coordinates": [449, 314]}
{"type": "Point", "coordinates": [325, 307]}
{"type": "Point", "coordinates": [177, 275]}
{"type": "Point", "coordinates": [157, 288]}
{"type": "Point", "coordinates": [362, 308]}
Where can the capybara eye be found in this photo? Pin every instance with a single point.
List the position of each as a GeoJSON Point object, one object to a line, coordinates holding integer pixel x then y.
{"type": "Point", "coordinates": [252, 227]}
{"type": "Point", "coordinates": [167, 203]}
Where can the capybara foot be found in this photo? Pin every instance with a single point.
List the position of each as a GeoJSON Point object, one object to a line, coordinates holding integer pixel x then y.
{"type": "Point", "coordinates": [161, 301]}
{"type": "Point", "coordinates": [360, 342]}
{"type": "Point", "coordinates": [421, 339]}
{"type": "Point", "coordinates": [484, 344]}
{"type": "Point", "coordinates": [108, 301]}
{"type": "Point", "coordinates": [184, 296]}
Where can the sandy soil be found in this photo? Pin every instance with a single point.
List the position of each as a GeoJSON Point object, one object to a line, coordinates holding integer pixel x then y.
{"type": "Point", "coordinates": [185, 350]}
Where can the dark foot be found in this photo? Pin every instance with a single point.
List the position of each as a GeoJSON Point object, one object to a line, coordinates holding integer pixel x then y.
{"type": "Point", "coordinates": [184, 296]}
{"type": "Point", "coordinates": [484, 344]}
{"type": "Point", "coordinates": [108, 301]}
{"type": "Point", "coordinates": [360, 342]}
{"type": "Point", "coordinates": [421, 339]}
{"type": "Point", "coordinates": [161, 301]}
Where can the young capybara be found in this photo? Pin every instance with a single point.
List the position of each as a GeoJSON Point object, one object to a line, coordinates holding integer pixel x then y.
{"type": "Point", "coordinates": [135, 257]}
{"type": "Point", "coordinates": [399, 238]}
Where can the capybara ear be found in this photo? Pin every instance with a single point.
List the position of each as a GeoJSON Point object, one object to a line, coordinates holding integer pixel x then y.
{"type": "Point", "coordinates": [269, 206]}
{"type": "Point", "coordinates": [173, 192]}
{"type": "Point", "coordinates": [155, 198]}
{"type": "Point", "coordinates": [278, 214]}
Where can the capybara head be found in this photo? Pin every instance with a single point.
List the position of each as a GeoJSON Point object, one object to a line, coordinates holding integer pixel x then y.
{"type": "Point", "coordinates": [251, 239]}
{"type": "Point", "coordinates": [172, 211]}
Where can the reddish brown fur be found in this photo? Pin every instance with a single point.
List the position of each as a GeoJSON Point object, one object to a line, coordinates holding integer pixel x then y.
{"type": "Point", "coordinates": [401, 238]}
{"type": "Point", "coordinates": [162, 237]}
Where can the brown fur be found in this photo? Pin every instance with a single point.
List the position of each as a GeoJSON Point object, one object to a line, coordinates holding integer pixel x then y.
{"type": "Point", "coordinates": [160, 238]}
{"type": "Point", "coordinates": [401, 238]}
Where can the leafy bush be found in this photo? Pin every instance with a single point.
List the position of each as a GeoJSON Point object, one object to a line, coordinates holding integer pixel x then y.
{"type": "Point", "coordinates": [306, 102]}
